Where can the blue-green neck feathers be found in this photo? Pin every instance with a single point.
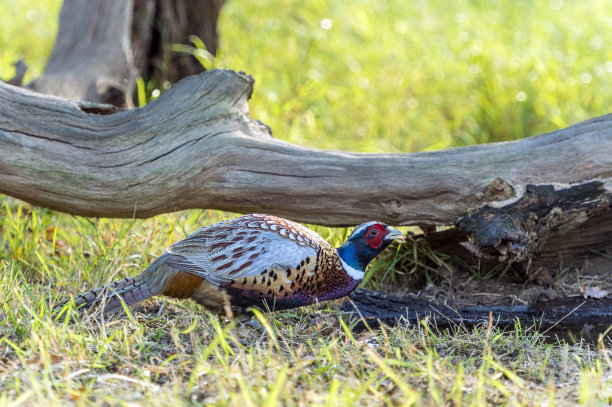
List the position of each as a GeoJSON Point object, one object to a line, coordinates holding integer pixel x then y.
{"type": "Point", "coordinates": [365, 243]}
{"type": "Point", "coordinates": [354, 258]}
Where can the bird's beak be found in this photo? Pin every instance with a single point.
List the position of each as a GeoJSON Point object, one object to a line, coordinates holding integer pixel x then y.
{"type": "Point", "coordinates": [394, 234]}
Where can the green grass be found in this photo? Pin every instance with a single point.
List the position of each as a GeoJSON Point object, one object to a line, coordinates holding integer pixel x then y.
{"type": "Point", "coordinates": [392, 76]}
{"type": "Point", "coordinates": [407, 76]}
{"type": "Point", "coordinates": [27, 33]}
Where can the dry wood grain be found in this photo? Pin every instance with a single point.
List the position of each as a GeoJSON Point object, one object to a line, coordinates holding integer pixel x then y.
{"type": "Point", "coordinates": [102, 45]}
{"type": "Point", "coordinates": [197, 147]}
{"type": "Point", "coordinates": [92, 56]}
{"type": "Point", "coordinates": [574, 313]}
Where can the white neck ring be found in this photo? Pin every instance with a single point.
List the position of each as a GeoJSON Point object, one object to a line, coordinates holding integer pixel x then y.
{"type": "Point", "coordinates": [354, 273]}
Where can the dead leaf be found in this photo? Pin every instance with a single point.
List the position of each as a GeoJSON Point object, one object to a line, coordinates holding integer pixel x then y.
{"type": "Point", "coordinates": [592, 292]}
{"type": "Point", "coordinates": [49, 232]}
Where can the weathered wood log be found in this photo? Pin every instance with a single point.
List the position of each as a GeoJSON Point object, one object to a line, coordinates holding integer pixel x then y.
{"type": "Point", "coordinates": [515, 232]}
{"type": "Point", "coordinates": [196, 147]}
{"type": "Point", "coordinates": [571, 312]}
{"type": "Point", "coordinates": [547, 227]}
{"type": "Point", "coordinates": [102, 45]}
{"type": "Point", "coordinates": [92, 57]}
{"type": "Point", "coordinates": [174, 22]}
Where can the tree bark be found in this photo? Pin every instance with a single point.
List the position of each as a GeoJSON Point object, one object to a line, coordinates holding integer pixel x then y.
{"type": "Point", "coordinates": [92, 57]}
{"type": "Point", "coordinates": [566, 313]}
{"type": "Point", "coordinates": [102, 45]}
{"type": "Point", "coordinates": [569, 245]}
{"type": "Point", "coordinates": [175, 22]}
{"type": "Point", "coordinates": [515, 232]}
{"type": "Point", "coordinates": [196, 147]}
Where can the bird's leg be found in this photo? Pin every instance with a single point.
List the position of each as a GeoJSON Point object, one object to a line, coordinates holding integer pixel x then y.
{"type": "Point", "coordinates": [161, 309]}
{"type": "Point", "coordinates": [227, 308]}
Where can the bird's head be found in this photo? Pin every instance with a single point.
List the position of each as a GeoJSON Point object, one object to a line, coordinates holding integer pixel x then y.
{"type": "Point", "coordinates": [366, 242]}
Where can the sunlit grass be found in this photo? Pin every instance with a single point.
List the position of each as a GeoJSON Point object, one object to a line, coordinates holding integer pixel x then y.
{"type": "Point", "coordinates": [407, 76]}
{"type": "Point", "coordinates": [27, 33]}
{"type": "Point", "coordinates": [297, 357]}
{"type": "Point", "coordinates": [394, 76]}
{"type": "Point", "coordinates": [391, 76]}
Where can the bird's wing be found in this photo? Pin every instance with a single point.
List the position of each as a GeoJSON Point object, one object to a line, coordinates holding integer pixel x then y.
{"type": "Point", "coordinates": [243, 247]}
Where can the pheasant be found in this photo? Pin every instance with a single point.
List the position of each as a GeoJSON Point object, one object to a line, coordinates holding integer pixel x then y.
{"type": "Point", "coordinates": [253, 260]}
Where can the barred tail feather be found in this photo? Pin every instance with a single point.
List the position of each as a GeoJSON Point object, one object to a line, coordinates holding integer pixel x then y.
{"type": "Point", "coordinates": [131, 290]}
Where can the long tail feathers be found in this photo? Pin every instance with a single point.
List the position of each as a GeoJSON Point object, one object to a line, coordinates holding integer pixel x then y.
{"type": "Point", "coordinates": [131, 290]}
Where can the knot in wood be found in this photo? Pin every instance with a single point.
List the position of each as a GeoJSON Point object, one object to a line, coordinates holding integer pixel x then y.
{"type": "Point", "coordinates": [499, 190]}
{"type": "Point", "coordinates": [392, 207]}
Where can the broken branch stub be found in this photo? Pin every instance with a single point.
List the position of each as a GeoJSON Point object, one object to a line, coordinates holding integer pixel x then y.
{"type": "Point", "coordinates": [516, 231]}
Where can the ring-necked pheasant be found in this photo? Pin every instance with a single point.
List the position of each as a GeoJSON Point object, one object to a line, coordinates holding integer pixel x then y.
{"type": "Point", "coordinates": [249, 261]}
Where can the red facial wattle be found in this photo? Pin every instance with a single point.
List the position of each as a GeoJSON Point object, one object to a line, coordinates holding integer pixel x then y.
{"type": "Point", "coordinates": [374, 235]}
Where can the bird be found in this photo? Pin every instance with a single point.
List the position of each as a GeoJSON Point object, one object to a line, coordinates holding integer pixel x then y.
{"type": "Point", "coordinates": [254, 260]}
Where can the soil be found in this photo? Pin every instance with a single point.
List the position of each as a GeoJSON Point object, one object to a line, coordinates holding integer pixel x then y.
{"type": "Point", "coordinates": [593, 278]}
{"type": "Point", "coordinates": [464, 289]}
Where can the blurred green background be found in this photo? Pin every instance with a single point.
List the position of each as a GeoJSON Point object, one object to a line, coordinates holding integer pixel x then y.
{"type": "Point", "coordinates": [393, 76]}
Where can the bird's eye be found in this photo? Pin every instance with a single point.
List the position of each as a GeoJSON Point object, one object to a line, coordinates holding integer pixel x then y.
{"type": "Point", "coordinates": [373, 232]}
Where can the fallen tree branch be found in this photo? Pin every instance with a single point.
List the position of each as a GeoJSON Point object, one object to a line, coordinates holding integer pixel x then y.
{"type": "Point", "coordinates": [196, 147]}
{"type": "Point", "coordinates": [515, 232]}
{"type": "Point", "coordinates": [570, 312]}
{"type": "Point", "coordinates": [546, 228]}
